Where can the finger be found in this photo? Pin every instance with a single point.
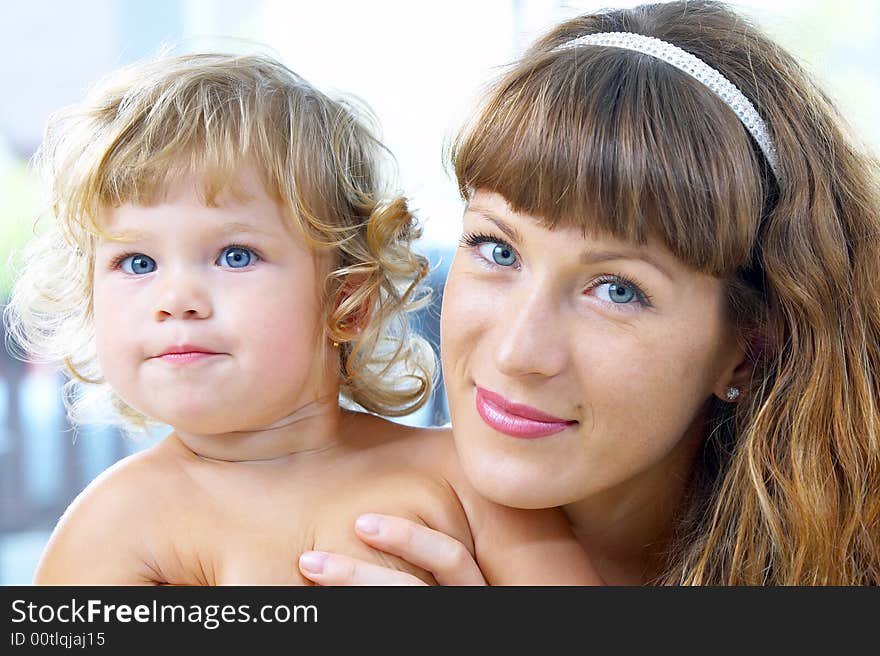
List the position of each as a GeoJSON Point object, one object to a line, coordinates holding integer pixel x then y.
{"type": "Point", "coordinates": [333, 569]}
{"type": "Point", "coordinates": [445, 557]}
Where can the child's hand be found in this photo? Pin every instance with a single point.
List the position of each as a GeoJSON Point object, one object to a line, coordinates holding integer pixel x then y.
{"type": "Point", "coordinates": [445, 557]}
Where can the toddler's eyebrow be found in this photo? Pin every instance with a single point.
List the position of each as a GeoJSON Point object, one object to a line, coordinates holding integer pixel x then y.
{"type": "Point", "coordinates": [224, 229]}
{"type": "Point", "coordinates": [125, 236]}
{"type": "Point", "coordinates": [236, 226]}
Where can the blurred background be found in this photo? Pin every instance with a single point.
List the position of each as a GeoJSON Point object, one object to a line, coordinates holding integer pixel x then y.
{"type": "Point", "coordinates": [419, 65]}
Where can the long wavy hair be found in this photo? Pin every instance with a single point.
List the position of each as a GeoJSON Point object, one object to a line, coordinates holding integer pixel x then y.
{"type": "Point", "coordinates": [787, 487]}
{"type": "Point", "coordinates": [209, 114]}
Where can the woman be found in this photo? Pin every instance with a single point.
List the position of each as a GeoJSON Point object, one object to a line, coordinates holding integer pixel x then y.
{"type": "Point", "coordinates": [664, 314]}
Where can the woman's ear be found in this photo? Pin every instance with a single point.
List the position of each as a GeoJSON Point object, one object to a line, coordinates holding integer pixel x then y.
{"type": "Point", "coordinates": [735, 376]}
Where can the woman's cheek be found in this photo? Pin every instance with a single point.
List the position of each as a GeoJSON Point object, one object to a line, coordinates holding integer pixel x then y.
{"type": "Point", "coordinates": [467, 306]}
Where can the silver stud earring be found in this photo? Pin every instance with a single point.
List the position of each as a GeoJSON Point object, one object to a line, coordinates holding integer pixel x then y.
{"type": "Point", "coordinates": [732, 393]}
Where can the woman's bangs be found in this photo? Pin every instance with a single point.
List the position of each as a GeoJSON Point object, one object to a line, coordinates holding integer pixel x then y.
{"type": "Point", "coordinates": [602, 142]}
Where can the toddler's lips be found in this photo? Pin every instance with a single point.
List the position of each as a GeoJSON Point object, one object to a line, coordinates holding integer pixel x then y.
{"type": "Point", "coordinates": [186, 357]}
{"type": "Point", "coordinates": [186, 353]}
{"type": "Point", "coordinates": [515, 419]}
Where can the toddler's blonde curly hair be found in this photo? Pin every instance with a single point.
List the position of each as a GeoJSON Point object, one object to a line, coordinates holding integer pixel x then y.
{"type": "Point", "coordinates": [210, 114]}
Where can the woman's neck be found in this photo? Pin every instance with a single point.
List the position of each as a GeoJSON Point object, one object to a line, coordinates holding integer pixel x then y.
{"type": "Point", "coordinates": [626, 529]}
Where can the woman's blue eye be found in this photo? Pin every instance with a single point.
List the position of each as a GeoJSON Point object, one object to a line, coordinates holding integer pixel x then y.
{"type": "Point", "coordinates": [501, 254]}
{"type": "Point", "coordinates": [616, 292]}
{"type": "Point", "coordinates": [138, 264]}
{"type": "Point", "coordinates": [236, 257]}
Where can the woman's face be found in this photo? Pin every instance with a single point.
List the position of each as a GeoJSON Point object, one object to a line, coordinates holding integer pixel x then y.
{"type": "Point", "coordinates": [575, 364]}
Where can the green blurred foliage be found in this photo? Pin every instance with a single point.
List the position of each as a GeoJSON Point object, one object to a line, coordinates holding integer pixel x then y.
{"type": "Point", "coordinates": [18, 209]}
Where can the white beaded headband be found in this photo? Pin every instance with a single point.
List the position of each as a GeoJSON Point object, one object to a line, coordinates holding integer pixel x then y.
{"type": "Point", "coordinates": [697, 69]}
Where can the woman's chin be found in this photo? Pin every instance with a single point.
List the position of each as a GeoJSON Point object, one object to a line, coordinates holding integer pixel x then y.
{"type": "Point", "coordinates": [516, 485]}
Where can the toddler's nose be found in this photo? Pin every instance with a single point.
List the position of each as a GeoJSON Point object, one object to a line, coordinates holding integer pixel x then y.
{"type": "Point", "coordinates": [183, 295]}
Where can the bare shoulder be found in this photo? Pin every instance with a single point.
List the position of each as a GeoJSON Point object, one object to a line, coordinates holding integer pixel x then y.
{"type": "Point", "coordinates": [425, 452]}
{"type": "Point", "coordinates": [103, 537]}
{"type": "Point", "coordinates": [421, 447]}
{"type": "Point", "coordinates": [407, 471]}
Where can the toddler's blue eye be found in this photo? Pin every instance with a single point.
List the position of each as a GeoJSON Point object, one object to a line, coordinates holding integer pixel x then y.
{"type": "Point", "coordinates": [501, 254]}
{"type": "Point", "coordinates": [138, 264]}
{"type": "Point", "coordinates": [618, 293]}
{"type": "Point", "coordinates": [236, 257]}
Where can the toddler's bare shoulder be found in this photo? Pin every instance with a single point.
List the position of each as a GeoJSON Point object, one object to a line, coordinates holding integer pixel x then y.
{"type": "Point", "coordinates": [104, 535]}
{"type": "Point", "coordinates": [429, 448]}
{"type": "Point", "coordinates": [405, 471]}
{"type": "Point", "coordinates": [128, 488]}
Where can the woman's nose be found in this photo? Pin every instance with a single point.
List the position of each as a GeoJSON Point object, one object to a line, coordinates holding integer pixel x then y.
{"type": "Point", "coordinates": [530, 339]}
{"type": "Point", "coordinates": [183, 294]}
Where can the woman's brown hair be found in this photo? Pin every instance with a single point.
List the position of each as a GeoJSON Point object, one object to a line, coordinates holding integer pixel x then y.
{"type": "Point", "coordinates": [787, 490]}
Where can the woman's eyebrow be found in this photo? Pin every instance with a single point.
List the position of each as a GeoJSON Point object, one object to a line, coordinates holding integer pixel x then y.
{"type": "Point", "coordinates": [509, 231]}
{"type": "Point", "coordinates": [588, 257]}
{"type": "Point", "coordinates": [597, 257]}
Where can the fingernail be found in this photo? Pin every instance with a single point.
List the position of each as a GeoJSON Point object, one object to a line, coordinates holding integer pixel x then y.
{"type": "Point", "coordinates": [368, 524]}
{"type": "Point", "coordinates": [313, 561]}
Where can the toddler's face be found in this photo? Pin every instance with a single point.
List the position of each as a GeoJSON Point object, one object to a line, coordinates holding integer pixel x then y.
{"type": "Point", "coordinates": [209, 318]}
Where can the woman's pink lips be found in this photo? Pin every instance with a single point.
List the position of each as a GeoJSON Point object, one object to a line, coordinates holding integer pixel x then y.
{"type": "Point", "coordinates": [515, 419]}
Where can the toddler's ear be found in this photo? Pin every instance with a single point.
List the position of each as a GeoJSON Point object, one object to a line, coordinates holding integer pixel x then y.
{"type": "Point", "coordinates": [354, 305]}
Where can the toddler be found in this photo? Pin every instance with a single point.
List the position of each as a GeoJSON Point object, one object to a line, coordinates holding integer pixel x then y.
{"type": "Point", "coordinates": [225, 260]}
